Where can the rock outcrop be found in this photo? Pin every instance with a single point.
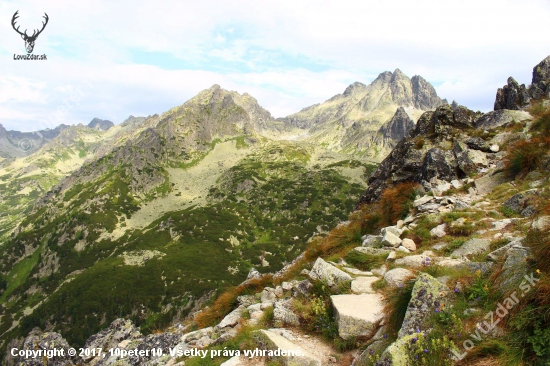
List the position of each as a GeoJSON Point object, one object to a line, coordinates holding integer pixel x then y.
{"type": "Point", "coordinates": [516, 96]}
{"type": "Point", "coordinates": [436, 149]}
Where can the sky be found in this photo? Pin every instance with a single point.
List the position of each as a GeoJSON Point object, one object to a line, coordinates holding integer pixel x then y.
{"type": "Point", "coordinates": [111, 59]}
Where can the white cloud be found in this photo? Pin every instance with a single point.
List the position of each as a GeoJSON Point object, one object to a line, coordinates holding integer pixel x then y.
{"type": "Point", "coordinates": [466, 49]}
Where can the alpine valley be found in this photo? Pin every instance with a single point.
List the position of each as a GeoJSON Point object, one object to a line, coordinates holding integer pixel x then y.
{"type": "Point", "coordinates": [215, 226]}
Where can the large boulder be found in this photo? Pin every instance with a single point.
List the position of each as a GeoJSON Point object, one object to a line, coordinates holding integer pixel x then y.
{"type": "Point", "coordinates": [329, 274]}
{"type": "Point", "coordinates": [357, 315]}
{"type": "Point", "coordinates": [428, 295]}
{"type": "Point", "coordinates": [232, 318]}
{"type": "Point", "coordinates": [522, 203]}
{"type": "Point", "coordinates": [397, 276]}
{"type": "Point", "coordinates": [514, 269]}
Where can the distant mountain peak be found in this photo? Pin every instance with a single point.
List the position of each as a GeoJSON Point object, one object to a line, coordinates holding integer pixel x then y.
{"type": "Point", "coordinates": [354, 88]}
{"type": "Point", "coordinates": [100, 124]}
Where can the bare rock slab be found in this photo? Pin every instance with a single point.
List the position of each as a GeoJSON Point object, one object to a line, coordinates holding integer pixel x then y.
{"type": "Point", "coordinates": [363, 285]}
{"type": "Point", "coordinates": [357, 315]}
{"type": "Point", "coordinates": [472, 247]}
{"type": "Point", "coordinates": [270, 340]}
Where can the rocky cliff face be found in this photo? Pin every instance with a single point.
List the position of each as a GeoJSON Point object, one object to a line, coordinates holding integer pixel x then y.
{"type": "Point", "coordinates": [397, 127]}
{"type": "Point", "coordinates": [515, 96]}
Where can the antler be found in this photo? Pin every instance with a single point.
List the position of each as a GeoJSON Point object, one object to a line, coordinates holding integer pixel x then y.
{"type": "Point", "coordinates": [34, 34]}
{"type": "Point", "coordinates": [15, 16]}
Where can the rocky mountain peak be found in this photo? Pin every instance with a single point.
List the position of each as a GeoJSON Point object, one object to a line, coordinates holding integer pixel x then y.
{"type": "Point", "coordinates": [100, 124]}
{"type": "Point", "coordinates": [424, 95]}
{"type": "Point", "coordinates": [354, 88]}
{"type": "Point", "coordinates": [384, 77]}
{"type": "Point", "coordinates": [397, 75]}
{"type": "Point", "coordinates": [3, 131]}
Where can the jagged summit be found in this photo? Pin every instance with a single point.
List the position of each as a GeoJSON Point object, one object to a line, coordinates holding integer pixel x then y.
{"type": "Point", "coordinates": [100, 124]}
{"type": "Point", "coordinates": [351, 121]}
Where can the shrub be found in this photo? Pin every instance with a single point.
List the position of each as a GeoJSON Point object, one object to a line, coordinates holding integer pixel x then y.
{"type": "Point", "coordinates": [523, 157]}
{"type": "Point", "coordinates": [396, 202]}
{"type": "Point", "coordinates": [227, 301]}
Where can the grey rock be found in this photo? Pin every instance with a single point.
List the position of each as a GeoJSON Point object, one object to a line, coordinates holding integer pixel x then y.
{"type": "Point", "coordinates": [232, 318]}
{"type": "Point", "coordinates": [329, 274]}
{"type": "Point", "coordinates": [501, 117]}
{"type": "Point", "coordinates": [541, 223]}
{"type": "Point", "coordinates": [254, 274]}
{"type": "Point", "coordinates": [472, 247]}
{"type": "Point", "coordinates": [390, 240]}
{"type": "Point", "coordinates": [417, 260]}
{"type": "Point", "coordinates": [46, 341]}
{"type": "Point", "coordinates": [514, 269]}
{"type": "Point", "coordinates": [246, 300]}
{"type": "Point", "coordinates": [372, 241]}
{"type": "Point", "coordinates": [391, 229]}
{"type": "Point", "coordinates": [422, 156]}
{"type": "Point", "coordinates": [357, 315]}
{"type": "Point", "coordinates": [428, 294]}
{"type": "Point", "coordinates": [268, 295]}
{"type": "Point", "coordinates": [118, 331]}
{"type": "Point", "coordinates": [422, 200]}
{"type": "Point", "coordinates": [397, 276]}
{"type": "Point", "coordinates": [478, 144]}
{"type": "Point", "coordinates": [372, 251]}
{"type": "Point", "coordinates": [522, 203]}
{"type": "Point", "coordinates": [302, 288]}
{"type": "Point", "coordinates": [439, 231]}
{"type": "Point", "coordinates": [283, 314]}
{"type": "Point", "coordinates": [487, 183]}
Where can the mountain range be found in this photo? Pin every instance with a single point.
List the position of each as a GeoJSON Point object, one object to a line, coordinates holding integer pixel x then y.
{"type": "Point", "coordinates": [93, 218]}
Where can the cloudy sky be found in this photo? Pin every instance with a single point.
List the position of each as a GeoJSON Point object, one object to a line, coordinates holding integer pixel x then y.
{"type": "Point", "coordinates": [110, 59]}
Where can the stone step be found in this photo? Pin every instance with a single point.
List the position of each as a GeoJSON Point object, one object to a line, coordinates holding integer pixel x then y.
{"type": "Point", "coordinates": [363, 285]}
{"type": "Point", "coordinates": [270, 340]}
{"type": "Point", "coordinates": [357, 315]}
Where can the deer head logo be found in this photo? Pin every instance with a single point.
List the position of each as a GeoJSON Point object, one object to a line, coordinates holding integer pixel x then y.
{"type": "Point", "coordinates": [29, 40]}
